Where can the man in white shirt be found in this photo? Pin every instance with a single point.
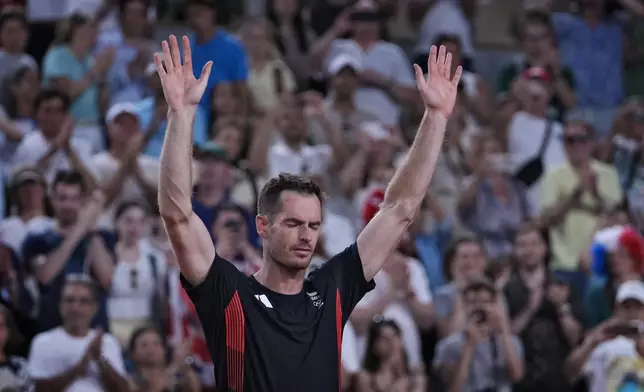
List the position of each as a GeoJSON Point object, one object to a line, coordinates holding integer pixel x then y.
{"type": "Point", "coordinates": [386, 80]}
{"type": "Point", "coordinates": [73, 357]}
{"type": "Point", "coordinates": [53, 148]}
{"type": "Point", "coordinates": [123, 172]}
{"type": "Point", "coordinates": [402, 294]}
{"type": "Point", "coordinates": [607, 347]}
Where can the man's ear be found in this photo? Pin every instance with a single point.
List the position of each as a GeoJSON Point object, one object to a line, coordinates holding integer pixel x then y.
{"type": "Point", "coordinates": [263, 225]}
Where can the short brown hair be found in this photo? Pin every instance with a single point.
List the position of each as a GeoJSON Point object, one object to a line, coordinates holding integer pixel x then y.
{"type": "Point", "coordinates": [452, 249]}
{"type": "Point", "coordinates": [269, 201]}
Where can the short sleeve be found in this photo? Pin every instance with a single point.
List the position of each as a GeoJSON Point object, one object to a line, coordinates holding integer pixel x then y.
{"type": "Point", "coordinates": [239, 64]}
{"type": "Point", "coordinates": [345, 269]}
{"type": "Point", "coordinates": [419, 282]}
{"type": "Point", "coordinates": [443, 303]}
{"type": "Point", "coordinates": [56, 63]}
{"type": "Point", "coordinates": [112, 354]}
{"type": "Point", "coordinates": [211, 296]}
{"type": "Point", "coordinates": [447, 352]}
{"type": "Point", "coordinates": [200, 127]}
{"type": "Point", "coordinates": [41, 363]}
{"type": "Point", "coordinates": [403, 74]}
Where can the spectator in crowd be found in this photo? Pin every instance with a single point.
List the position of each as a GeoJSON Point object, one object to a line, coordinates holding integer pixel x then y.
{"type": "Point", "coordinates": [231, 238]}
{"type": "Point", "coordinates": [13, 34]}
{"type": "Point", "coordinates": [269, 76]}
{"type": "Point", "coordinates": [475, 95]}
{"type": "Point", "coordinates": [485, 355]}
{"type": "Point", "coordinates": [429, 236]}
{"type": "Point", "coordinates": [214, 44]}
{"type": "Point", "coordinates": [294, 36]}
{"type": "Point", "coordinates": [52, 147]}
{"type": "Point", "coordinates": [17, 116]}
{"type": "Point", "coordinates": [618, 253]}
{"type": "Point", "coordinates": [539, 50]}
{"type": "Point", "coordinates": [543, 314]}
{"type": "Point", "coordinates": [122, 172]}
{"type": "Point", "coordinates": [463, 260]}
{"type": "Point", "coordinates": [443, 17]}
{"type": "Point", "coordinates": [139, 273]}
{"type": "Point", "coordinates": [595, 57]}
{"type": "Point", "coordinates": [13, 369]}
{"type": "Point", "coordinates": [533, 137]}
{"type": "Point", "coordinates": [69, 66]}
{"type": "Point", "coordinates": [153, 371]}
{"type": "Point", "coordinates": [385, 364]}
{"type": "Point", "coordinates": [386, 81]}
{"type": "Point", "coordinates": [133, 52]}
{"type": "Point", "coordinates": [572, 197]}
{"type": "Point", "coordinates": [495, 204]}
{"type": "Point", "coordinates": [403, 296]}
{"type": "Point", "coordinates": [74, 356]}
{"type": "Point", "coordinates": [30, 208]}
{"type": "Point", "coordinates": [71, 246]}
{"type": "Point", "coordinates": [611, 342]}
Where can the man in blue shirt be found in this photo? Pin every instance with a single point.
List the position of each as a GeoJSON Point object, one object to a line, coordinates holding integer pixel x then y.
{"type": "Point", "coordinates": [71, 247]}
{"type": "Point", "coordinates": [214, 44]}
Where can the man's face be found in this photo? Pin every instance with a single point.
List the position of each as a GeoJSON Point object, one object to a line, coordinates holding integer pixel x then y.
{"type": "Point", "coordinates": [292, 234]}
{"type": "Point", "coordinates": [230, 227]}
{"type": "Point", "coordinates": [67, 200]}
{"type": "Point", "coordinates": [345, 82]}
{"type": "Point", "coordinates": [291, 122]}
{"type": "Point", "coordinates": [630, 309]}
{"type": "Point", "coordinates": [530, 249]}
{"type": "Point", "coordinates": [136, 14]}
{"type": "Point", "coordinates": [200, 18]}
{"type": "Point", "coordinates": [123, 128]}
{"type": "Point", "coordinates": [14, 35]}
{"type": "Point", "coordinates": [469, 261]}
{"type": "Point", "coordinates": [50, 115]}
{"type": "Point", "coordinates": [578, 143]}
{"type": "Point", "coordinates": [536, 39]}
{"type": "Point", "coordinates": [538, 93]}
{"type": "Point", "coordinates": [214, 172]}
{"type": "Point", "coordinates": [77, 305]}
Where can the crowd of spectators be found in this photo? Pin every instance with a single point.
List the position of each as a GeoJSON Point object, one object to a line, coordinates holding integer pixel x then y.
{"type": "Point", "coordinates": [523, 270]}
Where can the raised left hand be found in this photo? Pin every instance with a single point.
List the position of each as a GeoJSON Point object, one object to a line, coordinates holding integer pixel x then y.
{"type": "Point", "coordinates": [438, 90]}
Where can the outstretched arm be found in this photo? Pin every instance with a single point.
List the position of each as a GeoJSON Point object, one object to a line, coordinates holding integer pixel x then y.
{"type": "Point", "coordinates": [189, 237]}
{"type": "Point", "coordinates": [408, 187]}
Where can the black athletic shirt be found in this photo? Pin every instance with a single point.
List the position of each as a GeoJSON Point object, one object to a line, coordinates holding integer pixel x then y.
{"type": "Point", "coordinates": [263, 341]}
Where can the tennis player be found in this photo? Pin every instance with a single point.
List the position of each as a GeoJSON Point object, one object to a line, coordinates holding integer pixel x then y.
{"type": "Point", "coordinates": [276, 331]}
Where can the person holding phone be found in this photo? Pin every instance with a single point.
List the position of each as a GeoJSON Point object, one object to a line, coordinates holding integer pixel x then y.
{"type": "Point", "coordinates": [230, 232]}
{"type": "Point", "coordinates": [486, 337]}
{"type": "Point", "coordinates": [613, 350]}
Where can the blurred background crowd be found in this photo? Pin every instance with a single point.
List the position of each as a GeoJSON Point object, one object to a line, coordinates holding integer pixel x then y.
{"type": "Point", "coordinates": [523, 270]}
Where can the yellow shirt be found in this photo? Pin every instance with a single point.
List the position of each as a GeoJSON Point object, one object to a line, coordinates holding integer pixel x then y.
{"type": "Point", "coordinates": [261, 83]}
{"type": "Point", "coordinates": [571, 236]}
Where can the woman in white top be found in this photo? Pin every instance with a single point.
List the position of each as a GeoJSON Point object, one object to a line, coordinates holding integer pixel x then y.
{"type": "Point", "coordinates": [139, 273]}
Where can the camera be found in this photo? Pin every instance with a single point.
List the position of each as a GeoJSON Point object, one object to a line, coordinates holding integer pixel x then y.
{"type": "Point", "coordinates": [479, 316]}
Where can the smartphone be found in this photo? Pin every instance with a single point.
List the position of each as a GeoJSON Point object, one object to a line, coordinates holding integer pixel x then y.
{"type": "Point", "coordinates": [629, 328]}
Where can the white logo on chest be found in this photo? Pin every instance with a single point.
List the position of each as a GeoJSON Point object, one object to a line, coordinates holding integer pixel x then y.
{"type": "Point", "coordinates": [316, 299]}
{"type": "Point", "coordinates": [264, 300]}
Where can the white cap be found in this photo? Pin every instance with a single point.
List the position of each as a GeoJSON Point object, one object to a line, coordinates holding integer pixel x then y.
{"type": "Point", "coordinates": [121, 108]}
{"type": "Point", "coordinates": [343, 61]}
{"type": "Point", "coordinates": [633, 289]}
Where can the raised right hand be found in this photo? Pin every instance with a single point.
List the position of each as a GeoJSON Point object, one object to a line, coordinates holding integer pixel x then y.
{"type": "Point", "coordinates": [90, 212]}
{"type": "Point", "coordinates": [180, 87]}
